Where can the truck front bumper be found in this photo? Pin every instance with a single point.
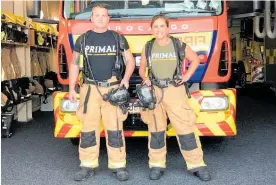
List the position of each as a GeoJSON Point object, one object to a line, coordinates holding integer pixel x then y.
{"type": "Point", "coordinates": [209, 123]}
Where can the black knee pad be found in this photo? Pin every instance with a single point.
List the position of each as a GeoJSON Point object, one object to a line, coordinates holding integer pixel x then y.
{"type": "Point", "coordinates": [88, 139]}
{"type": "Point", "coordinates": [115, 139]}
{"type": "Point", "coordinates": [187, 141]}
{"type": "Point", "coordinates": [157, 140]}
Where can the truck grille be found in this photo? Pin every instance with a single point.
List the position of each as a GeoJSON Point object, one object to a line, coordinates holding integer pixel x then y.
{"type": "Point", "coordinates": [133, 82]}
{"type": "Point", "coordinates": [134, 122]}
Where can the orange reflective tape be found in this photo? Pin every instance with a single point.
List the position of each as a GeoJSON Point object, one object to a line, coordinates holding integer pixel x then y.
{"type": "Point", "coordinates": [198, 96]}
{"type": "Point", "coordinates": [56, 113]}
{"type": "Point", "coordinates": [226, 128]}
{"type": "Point", "coordinates": [204, 129]}
{"type": "Point", "coordinates": [66, 95]}
{"type": "Point", "coordinates": [64, 130]}
{"type": "Point", "coordinates": [218, 92]}
{"type": "Point", "coordinates": [54, 94]}
{"type": "Point", "coordinates": [102, 134]}
{"type": "Point", "coordinates": [128, 133]}
{"type": "Point", "coordinates": [233, 111]}
{"type": "Point", "coordinates": [234, 91]}
{"type": "Point", "coordinates": [78, 135]}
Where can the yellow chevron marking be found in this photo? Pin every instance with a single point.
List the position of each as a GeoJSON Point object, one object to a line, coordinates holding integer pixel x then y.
{"type": "Point", "coordinates": [206, 118]}
{"type": "Point", "coordinates": [56, 103]}
{"type": "Point", "coordinates": [215, 129]}
{"type": "Point", "coordinates": [58, 126]}
{"type": "Point", "coordinates": [170, 131]}
{"type": "Point", "coordinates": [68, 118]}
{"type": "Point", "coordinates": [170, 126]}
{"type": "Point", "coordinates": [197, 132]}
{"type": "Point", "coordinates": [209, 117]}
{"type": "Point", "coordinates": [140, 133]}
{"type": "Point", "coordinates": [101, 126]}
{"type": "Point", "coordinates": [207, 93]}
{"type": "Point", "coordinates": [73, 132]}
{"type": "Point", "coordinates": [231, 123]}
{"type": "Point", "coordinates": [232, 99]}
{"type": "Point", "coordinates": [71, 119]}
{"type": "Point", "coordinates": [195, 105]}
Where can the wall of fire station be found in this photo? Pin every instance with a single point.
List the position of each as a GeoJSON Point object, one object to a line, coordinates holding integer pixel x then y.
{"type": "Point", "coordinates": [49, 10]}
{"type": "Point", "coordinates": [26, 58]}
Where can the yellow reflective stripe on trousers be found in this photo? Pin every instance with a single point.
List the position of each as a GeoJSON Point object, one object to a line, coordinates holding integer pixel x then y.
{"type": "Point", "coordinates": [161, 164]}
{"type": "Point", "coordinates": [90, 164]}
{"type": "Point", "coordinates": [192, 166]}
{"type": "Point", "coordinates": [113, 165]}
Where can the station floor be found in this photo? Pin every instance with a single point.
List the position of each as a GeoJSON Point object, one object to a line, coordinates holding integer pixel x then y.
{"type": "Point", "coordinates": [32, 156]}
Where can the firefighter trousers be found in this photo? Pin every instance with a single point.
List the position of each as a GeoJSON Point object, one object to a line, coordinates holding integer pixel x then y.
{"type": "Point", "coordinates": [91, 115]}
{"type": "Point", "coordinates": [175, 106]}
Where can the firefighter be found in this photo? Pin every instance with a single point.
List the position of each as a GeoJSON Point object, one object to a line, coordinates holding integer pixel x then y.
{"type": "Point", "coordinates": [164, 68]}
{"type": "Point", "coordinates": [102, 71]}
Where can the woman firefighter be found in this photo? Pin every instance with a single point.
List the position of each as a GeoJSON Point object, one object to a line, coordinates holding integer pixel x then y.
{"type": "Point", "coordinates": [162, 56]}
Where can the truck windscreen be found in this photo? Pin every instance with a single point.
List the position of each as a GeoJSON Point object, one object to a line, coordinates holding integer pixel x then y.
{"type": "Point", "coordinates": [144, 9]}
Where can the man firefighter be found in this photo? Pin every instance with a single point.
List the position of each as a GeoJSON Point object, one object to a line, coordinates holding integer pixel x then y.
{"type": "Point", "coordinates": [163, 56]}
{"type": "Point", "coordinates": [103, 51]}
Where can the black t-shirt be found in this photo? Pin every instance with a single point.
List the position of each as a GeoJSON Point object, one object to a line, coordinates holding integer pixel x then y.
{"type": "Point", "coordinates": [101, 52]}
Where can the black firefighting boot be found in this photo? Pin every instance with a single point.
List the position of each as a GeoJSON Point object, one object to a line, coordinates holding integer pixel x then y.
{"type": "Point", "coordinates": [84, 174]}
{"type": "Point", "coordinates": [121, 174]}
{"type": "Point", "coordinates": [155, 173]}
{"type": "Point", "coordinates": [202, 173]}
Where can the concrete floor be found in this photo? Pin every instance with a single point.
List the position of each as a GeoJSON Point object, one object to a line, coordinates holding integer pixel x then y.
{"type": "Point", "coordinates": [33, 156]}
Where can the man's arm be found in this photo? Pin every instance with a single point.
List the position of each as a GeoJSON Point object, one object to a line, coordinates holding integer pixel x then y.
{"type": "Point", "coordinates": [128, 58]}
{"type": "Point", "coordinates": [130, 64]}
{"type": "Point", "coordinates": [74, 70]}
{"type": "Point", "coordinates": [191, 56]}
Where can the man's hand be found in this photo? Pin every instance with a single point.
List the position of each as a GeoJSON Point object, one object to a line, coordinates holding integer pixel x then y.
{"type": "Point", "coordinates": [73, 75]}
{"type": "Point", "coordinates": [72, 96]}
{"type": "Point", "coordinates": [125, 83]}
{"type": "Point", "coordinates": [185, 78]}
{"type": "Point", "coordinates": [147, 82]}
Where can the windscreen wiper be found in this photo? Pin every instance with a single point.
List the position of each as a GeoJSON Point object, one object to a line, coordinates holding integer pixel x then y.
{"type": "Point", "coordinates": [186, 11]}
{"type": "Point", "coordinates": [119, 15]}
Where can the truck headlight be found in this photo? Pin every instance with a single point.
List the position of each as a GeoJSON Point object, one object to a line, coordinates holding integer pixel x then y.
{"type": "Point", "coordinates": [214, 103]}
{"type": "Point", "coordinates": [68, 106]}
